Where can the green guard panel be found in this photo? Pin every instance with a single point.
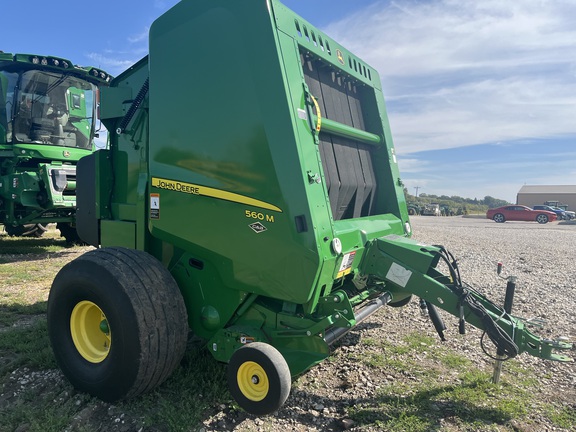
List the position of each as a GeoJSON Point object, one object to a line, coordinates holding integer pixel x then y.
{"type": "Point", "coordinates": [118, 233]}
{"type": "Point", "coordinates": [223, 157]}
{"type": "Point", "coordinates": [236, 163]}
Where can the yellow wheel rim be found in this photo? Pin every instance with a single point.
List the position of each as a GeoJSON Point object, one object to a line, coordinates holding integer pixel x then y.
{"type": "Point", "coordinates": [252, 381]}
{"type": "Point", "coordinates": [90, 332]}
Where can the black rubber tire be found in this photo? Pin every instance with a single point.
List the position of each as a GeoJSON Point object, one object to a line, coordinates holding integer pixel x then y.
{"type": "Point", "coordinates": [542, 218]}
{"type": "Point", "coordinates": [145, 314]}
{"type": "Point", "coordinates": [411, 211]}
{"type": "Point", "coordinates": [28, 230]}
{"type": "Point", "coordinates": [499, 218]}
{"type": "Point", "coordinates": [269, 364]}
{"type": "Point", "coordinates": [68, 231]}
{"type": "Point", "coordinates": [401, 303]}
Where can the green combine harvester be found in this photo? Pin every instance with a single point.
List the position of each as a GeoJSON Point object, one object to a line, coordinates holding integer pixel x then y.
{"type": "Point", "coordinates": [47, 123]}
{"type": "Point", "coordinates": [250, 194]}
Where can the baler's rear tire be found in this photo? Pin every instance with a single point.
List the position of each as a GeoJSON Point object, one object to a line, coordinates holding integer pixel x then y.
{"type": "Point", "coordinates": [259, 378]}
{"type": "Point", "coordinates": [117, 323]}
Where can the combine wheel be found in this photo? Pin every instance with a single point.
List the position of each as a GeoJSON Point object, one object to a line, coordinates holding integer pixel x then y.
{"type": "Point", "coordinates": [69, 233]}
{"type": "Point", "coordinates": [259, 378]}
{"type": "Point", "coordinates": [29, 230]}
{"type": "Point", "coordinates": [542, 219]}
{"type": "Point", "coordinates": [117, 323]}
{"type": "Point", "coordinates": [499, 217]}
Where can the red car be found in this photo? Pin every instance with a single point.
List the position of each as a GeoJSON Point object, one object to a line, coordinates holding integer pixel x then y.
{"type": "Point", "coordinates": [520, 213]}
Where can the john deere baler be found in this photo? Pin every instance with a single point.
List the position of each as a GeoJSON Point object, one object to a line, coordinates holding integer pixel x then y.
{"type": "Point", "coordinates": [250, 194]}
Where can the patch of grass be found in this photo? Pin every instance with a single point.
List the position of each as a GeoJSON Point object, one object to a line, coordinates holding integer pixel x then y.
{"type": "Point", "coordinates": [480, 399]}
{"type": "Point", "coordinates": [563, 417]}
{"type": "Point", "coordinates": [455, 361]}
{"type": "Point", "coordinates": [14, 313]}
{"type": "Point", "coordinates": [473, 402]}
{"type": "Point", "coordinates": [444, 387]}
{"type": "Point", "coordinates": [27, 268]}
{"type": "Point", "coordinates": [196, 387]}
{"type": "Point", "coordinates": [381, 361]}
{"type": "Point", "coordinates": [522, 376]}
{"type": "Point", "coordinates": [47, 408]}
{"type": "Point", "coordinates": [419, 342]}
{"type": "Point", "coordinates": [26, 346]}
{"type": "Point", "coordinates": [39, 417]}
{"type": "Point", "coordinates": [49, 243]}
{"type": "Point", "coordinates": [406, 422]}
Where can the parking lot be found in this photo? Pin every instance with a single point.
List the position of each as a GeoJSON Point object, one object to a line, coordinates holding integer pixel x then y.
{"type": "Point", "coordinates": [476, 221]}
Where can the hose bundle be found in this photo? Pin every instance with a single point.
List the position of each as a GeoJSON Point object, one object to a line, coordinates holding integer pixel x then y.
{"type": "Point", "coordinates": [504, 343]}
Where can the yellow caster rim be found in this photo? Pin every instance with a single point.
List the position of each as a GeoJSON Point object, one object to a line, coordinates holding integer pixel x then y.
{"type": "Point", "coordinates": [253, 381]}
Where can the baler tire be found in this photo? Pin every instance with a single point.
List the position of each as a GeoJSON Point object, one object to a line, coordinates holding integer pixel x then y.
{"type": "Point", "coordinates": [499, 218]}
{"type": "Point", "coordinates": [411, 211]}
{"type": "Point", "coordinates": [259, 378]}
{"type": "Point", "coordinates": [400, 303]}
{"type": "Point", "coordinates": [117, 323]}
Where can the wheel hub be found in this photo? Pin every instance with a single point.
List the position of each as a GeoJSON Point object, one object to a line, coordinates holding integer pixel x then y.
{"type": "Point", "coordinates": [253, 381]}
{"type": "Point", "coordinates": [90, 331]}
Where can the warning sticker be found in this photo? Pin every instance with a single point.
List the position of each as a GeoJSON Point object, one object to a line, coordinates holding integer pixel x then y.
{"type": "Point", "coordinates": [346, 266]}
{"type": "Point", "coordinates": [399, 275]}
{"type": "Point", "coordinates": [154, 206]}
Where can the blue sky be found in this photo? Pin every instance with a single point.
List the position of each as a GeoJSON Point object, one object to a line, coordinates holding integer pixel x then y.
{"type": "Point", "coordinates": [481, 95]}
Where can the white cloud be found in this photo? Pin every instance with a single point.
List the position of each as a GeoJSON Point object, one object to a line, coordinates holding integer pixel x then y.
{"type": "Point", "coordinates": [108, 61]}
{"type": "Point", "coordinates": [118, 60]}
{"type": "Point", "coordinates": [462, 73]}
{"type": "Point", "coordinates": [408, 165]}
{"type": "Point", "coordinates": [141, 37]}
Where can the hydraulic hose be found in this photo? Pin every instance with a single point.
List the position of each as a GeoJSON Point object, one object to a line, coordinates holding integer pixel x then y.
{"type": "Point", "coordinates": [436, 320]}
{"type": "Point", "coordinates": [502, 340]}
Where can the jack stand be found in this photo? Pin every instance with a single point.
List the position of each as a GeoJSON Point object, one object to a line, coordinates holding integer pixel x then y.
{"type": "Point", "coordinates": [508, 300]}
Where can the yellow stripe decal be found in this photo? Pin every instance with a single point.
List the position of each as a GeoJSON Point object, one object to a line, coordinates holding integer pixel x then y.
{"type": "Point", "coordinates": [193, 189]}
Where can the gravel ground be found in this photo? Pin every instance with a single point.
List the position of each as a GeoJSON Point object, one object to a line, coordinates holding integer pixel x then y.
{"type": "Point", "coordinates": [542, 258]}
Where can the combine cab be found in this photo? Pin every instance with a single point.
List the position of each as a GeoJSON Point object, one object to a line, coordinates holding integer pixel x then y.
{"type": "Point", "coordinates": [47, 123]}
{"type": "Point", "coordinates": [251, 194]}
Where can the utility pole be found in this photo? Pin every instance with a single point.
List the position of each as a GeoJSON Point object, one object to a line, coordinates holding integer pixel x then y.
{"type": "Point", "coordinates": [416, 187]}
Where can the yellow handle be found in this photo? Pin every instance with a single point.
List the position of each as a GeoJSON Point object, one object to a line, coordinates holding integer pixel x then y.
{"type": "Point", "coordinates": [318, 114]}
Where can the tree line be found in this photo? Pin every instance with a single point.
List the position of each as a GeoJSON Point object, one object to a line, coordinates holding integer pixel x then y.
{"type": "Point", "coordinates": [458, 204]}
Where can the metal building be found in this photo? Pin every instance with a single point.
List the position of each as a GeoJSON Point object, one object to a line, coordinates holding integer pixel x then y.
{"type": "Point", "coordinates": [530, 195]}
